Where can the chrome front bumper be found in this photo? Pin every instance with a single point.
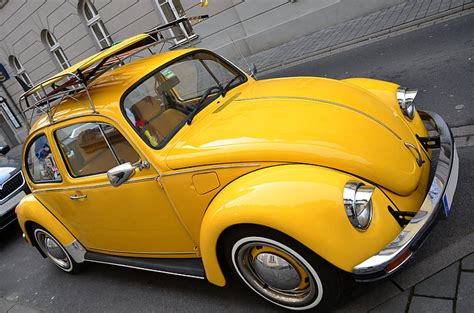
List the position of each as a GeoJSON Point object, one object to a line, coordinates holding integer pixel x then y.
{"type": "Point", "coordinates": [438, 199]}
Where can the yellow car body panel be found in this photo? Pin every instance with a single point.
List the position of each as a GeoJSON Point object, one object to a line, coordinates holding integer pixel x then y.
{"type": "Point", "coordinates": [31, 210]}
{"type": "Point", "coordinates": [302, 201]}
{"type": "Point", "coordinates": [240, 162]}
{"type": "Point", "coordinates": [108, 221]}
{"type": "Point", "coordinates": [349, 130]}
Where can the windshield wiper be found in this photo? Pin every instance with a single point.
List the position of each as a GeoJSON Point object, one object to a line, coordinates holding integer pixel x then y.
{"type": "Point", "coordinates": [227, 86]}
{"type": "Point", "coordinates": [200, 105]}
{"type": "Point", "coordinates": [222, 92]}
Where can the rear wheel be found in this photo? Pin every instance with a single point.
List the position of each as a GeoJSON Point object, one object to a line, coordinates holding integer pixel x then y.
{"type": "Point", "coordinates": [281, 270]}
{"type": "Point", "coordinates": [55, 251]}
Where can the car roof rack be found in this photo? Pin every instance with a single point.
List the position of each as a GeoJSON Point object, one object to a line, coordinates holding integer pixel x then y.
{"type": "Point", "coordinates": [45, 96]}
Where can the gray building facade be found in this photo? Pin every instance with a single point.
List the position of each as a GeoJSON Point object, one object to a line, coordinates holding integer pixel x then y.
{"type": "Point", "coordinates": [40, 38]}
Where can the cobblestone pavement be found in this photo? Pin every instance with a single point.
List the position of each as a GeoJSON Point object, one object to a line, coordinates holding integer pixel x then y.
{"type": "Point", "coordinates": [358, 31]}
{"type": "Point", "coordinates": [449, 290]}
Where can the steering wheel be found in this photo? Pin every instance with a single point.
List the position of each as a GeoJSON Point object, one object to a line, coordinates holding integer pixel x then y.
{"type": "Point", "coordinates": [206, 94]}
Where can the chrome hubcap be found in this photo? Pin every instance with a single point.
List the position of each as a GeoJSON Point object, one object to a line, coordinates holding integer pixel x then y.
{"type": "Point", "coordinates": [277, 273]}
{"type": "Point", "coordinates": [53, 249]}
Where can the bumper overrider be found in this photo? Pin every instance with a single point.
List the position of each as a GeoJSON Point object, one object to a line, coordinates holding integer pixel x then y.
{"type": "Point", "coordinates": [438, 199]}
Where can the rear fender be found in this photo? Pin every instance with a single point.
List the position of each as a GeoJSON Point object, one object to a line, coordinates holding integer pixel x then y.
{"type": "Point", "coordinates": [304, 202]}
{"type": "Point", "coordinates": [30, 212]}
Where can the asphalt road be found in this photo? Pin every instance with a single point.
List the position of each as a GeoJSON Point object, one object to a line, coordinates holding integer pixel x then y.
{"type": "Point", "coordinates": [437, 60]}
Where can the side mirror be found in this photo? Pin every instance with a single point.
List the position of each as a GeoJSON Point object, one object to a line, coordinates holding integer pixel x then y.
{"type": "Point", "coordinates": [4, 150]}
{"type": "Point", "coordinates": [120, 174]}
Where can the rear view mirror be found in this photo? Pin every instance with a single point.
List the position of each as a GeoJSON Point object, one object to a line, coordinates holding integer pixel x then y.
{"type": "Point", "coordinates": [120, 174]}
{"type": "Point", "coordinates": [167, 84]}
{"type": "Point", "coordinates": [4, 150]}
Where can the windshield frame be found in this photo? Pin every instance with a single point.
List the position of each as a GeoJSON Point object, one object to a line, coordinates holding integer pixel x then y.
{"type": "Point", "coordinates": [165, 141]}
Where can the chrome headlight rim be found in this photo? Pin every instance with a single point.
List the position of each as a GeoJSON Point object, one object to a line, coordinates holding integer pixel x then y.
{"type": "Point", "coordinates": [358, 204]}
{"type": "Point", "coordinates": [406, 97]}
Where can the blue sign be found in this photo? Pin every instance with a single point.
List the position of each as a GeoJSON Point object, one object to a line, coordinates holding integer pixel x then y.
{"type": "Point", "coordinates": [3, 74]}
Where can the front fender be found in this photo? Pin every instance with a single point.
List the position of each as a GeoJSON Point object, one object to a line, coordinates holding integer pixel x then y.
{"type": "Point", "coordinates": [306, 203]}
{"type": "Point", "coordinates": [31, 210]}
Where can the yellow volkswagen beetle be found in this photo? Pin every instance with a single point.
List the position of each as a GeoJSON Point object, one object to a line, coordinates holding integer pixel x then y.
{"type": "Point", "coordinates": [181, 163]}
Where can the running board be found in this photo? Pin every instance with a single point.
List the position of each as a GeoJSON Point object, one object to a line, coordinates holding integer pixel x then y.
{"type": "Point", "coordinates": [181, 267]}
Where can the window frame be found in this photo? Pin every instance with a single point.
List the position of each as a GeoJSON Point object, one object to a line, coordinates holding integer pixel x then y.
{"type": "Point", "coordinates": [21, 71]}
{"type": "Point", "coordinates": [160, 68]}
{"type": "Point", "coordinates": [27, 168]}
{"type": "Point", "coordinates": [65, 159]}
{"type": "Point", "coordinates": [96, 20]}
{"type": "Point", "coordinates": [56, 49]}
{"type": "Point", "coordinates": [187, 36]}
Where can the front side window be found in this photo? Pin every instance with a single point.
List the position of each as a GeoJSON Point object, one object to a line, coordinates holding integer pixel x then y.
{"type": "Point", "coordinates": [161, 104]}
{"type": "Point", "coordinates": [93, 148]}
{"type": "Point", "coordinates": [40, 162]}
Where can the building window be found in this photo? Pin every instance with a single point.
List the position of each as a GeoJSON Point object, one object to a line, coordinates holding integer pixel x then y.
{"type": "Point", "coordinates": [22, 74]}
{"type": "Point", "coordinates": [56, 50]}
{"type": "Point", "coordinates": [172, 10]}
{"type": "Point", "coordinates": [95, 24]}
{"type": "Point", "coordinates": [20, 71]}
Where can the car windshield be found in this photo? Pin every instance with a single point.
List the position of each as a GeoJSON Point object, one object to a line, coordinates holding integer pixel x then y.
{"type": "Point", "coordinates": [160, 105]}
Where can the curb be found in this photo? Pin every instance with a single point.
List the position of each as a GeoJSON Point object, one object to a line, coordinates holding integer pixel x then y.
{"type": "Point", "coordinates": [375, 295]}
{"type": "Point", "coordinates": [374, 37]}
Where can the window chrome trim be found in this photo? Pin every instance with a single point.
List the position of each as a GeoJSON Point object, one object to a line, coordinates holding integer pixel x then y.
{"type": "Point", "coordinates": [110, 121]}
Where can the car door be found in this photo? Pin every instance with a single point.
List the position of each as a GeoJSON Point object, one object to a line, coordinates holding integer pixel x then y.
{"type": "Point", "coordinates": [135, 218]}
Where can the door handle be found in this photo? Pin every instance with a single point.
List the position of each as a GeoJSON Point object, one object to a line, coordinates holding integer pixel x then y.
{"type": "Point", "coordinates": [77, 197]}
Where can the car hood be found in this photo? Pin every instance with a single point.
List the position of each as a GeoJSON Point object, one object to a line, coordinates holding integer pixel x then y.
{"type": "Point", "coordinates": [305, 120]}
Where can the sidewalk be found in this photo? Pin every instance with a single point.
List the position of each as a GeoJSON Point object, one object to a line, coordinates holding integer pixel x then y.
{"type": "Point", "coordinates": [450, 290]}
{"type": "Point", "coordinates": [442, 282]}
{"type": "Point", "coordinates": [379, 25]}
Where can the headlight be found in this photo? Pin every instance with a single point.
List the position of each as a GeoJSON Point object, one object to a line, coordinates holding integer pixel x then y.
{"type": "Point", "coordinates": [358, 204]}
{"type": "Point", "coordinates": [405, 99]}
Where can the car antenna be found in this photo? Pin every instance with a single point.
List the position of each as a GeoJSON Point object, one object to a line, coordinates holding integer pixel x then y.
{"type": "Point", "coordinates": [252, 70]}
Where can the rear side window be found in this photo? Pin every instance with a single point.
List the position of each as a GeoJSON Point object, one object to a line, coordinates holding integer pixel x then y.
{"type": "Point", "coordinates": [93, 148]}
{"type": "Point", "coordinates": [40, 162]}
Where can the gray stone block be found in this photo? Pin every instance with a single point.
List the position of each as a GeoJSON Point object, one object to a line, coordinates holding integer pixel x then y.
{"type": "Point", "coordinates": [465, 301]}
{"type": "Point", "coordinates": [468, 263]}
{"type": "Point", "coordinates": [442, 284]}
{"type": "Point", "coordinates": [374, 296]}
{"type": "Point", "coordinates": [394, 305]}
{"type": "Point", "coordinates": [430, 305]}
{"type": "Point", "coordinates": [5, 305]}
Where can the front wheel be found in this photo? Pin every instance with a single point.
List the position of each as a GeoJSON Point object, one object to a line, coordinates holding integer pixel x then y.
{"type": "Point", "coordinates": [55, 251]}
{"type": "Point", "coordinates": [281, 270]}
